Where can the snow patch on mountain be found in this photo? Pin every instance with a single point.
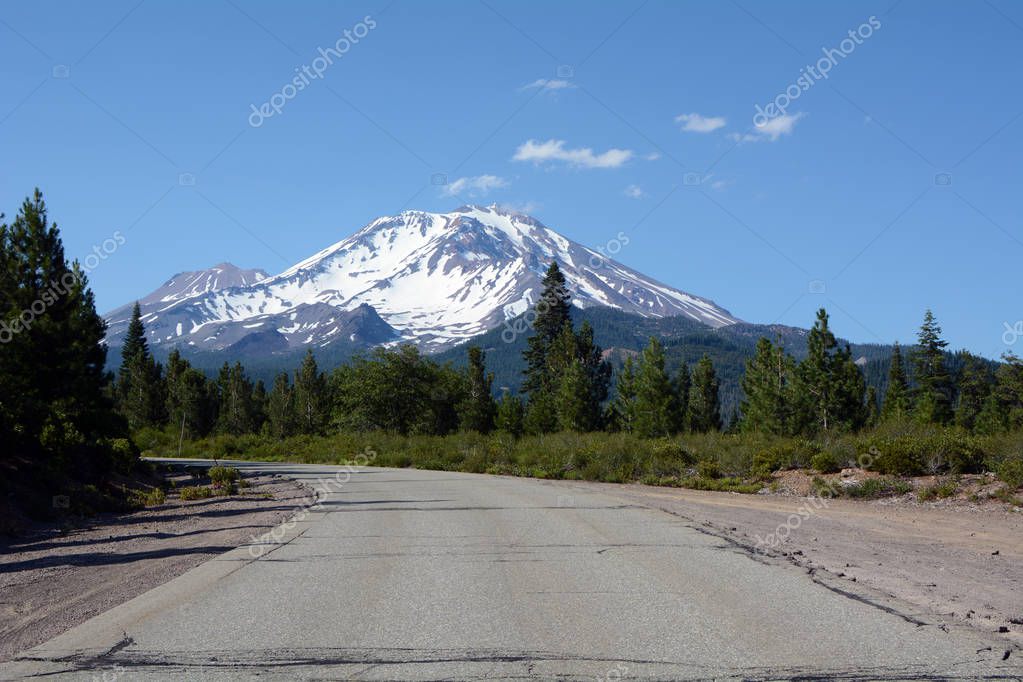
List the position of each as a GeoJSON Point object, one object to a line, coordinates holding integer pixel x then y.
{"type": "Point", "coordinates": [433, 279]}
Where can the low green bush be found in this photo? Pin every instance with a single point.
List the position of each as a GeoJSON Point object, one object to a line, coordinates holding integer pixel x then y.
{"type": "Point", "coordinates": [938, 491]}
{"type": "Point", "coordinates": [1011, 472]}
{"type": "Point", "coordinates": [195, 492]}
{"type": "Point", "coordinates": [825, 462]}
{"type": "Point", "coordinates": [874, 488]}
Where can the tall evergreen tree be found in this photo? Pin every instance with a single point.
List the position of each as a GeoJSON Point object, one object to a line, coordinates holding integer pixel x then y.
{"type": "Point", "coordinates": [280, 408]}
{"type": "Point", "coordinates": [510, 414]}
{"type": "Point", "coordinates": [189, 408]}
{"type": "Point", "coordinates": [478, 410]}
{"type": "Point", "coordinates": [1009, 390]}
{"type": "Point", "coordinates": [933, 399]}
{"type": "Point", "coordinates": [766, 386]}
{"type": "Point", "coordinates": [624, 405]}
{"type": "Point", "coordinates": [236, 408]}
{"type": "Point", "coordinates": [552, 313]}
{"type": "Point", "coordinates": [655, 406]}
{"type": "Point", "coordinates": [975, 382]}
{"type": "Point", "coordinates": [873, 412]}
{"type": "Point", "coordinates": [681, 385]}
{"type": "Point", "coordinates": [311, 397]}
{"type": "Point", "coordinates": [897, 401]}
{"type": "Point", "coordinates": [53, 411]}
{"type": "Point", "coordinates": [830, 387]}
{"type": "Point", "coordinates": [704, 402]}
{"type": "Point", "coordinates": [140, 384]}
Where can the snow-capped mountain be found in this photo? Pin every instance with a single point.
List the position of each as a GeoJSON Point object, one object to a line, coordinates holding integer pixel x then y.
{"type": "Point", "coordinates": [433, 279]}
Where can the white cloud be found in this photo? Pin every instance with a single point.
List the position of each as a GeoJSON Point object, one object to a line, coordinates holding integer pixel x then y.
{"type": "Point", "coordinates": [695, 123]}
{"type": "Point", "coordinates": [479, 185]}
{"type": "Point", "coordinates": [634, 192]}
{"type": "Point", "coordinates": [772, 129]}
{"type": "Point", "coordinates": [524, 207]}
{"type": "Point", "coordinates": [584, 157]}
{"type": "Point", "coordinates": [652, 156]}
{"type": "Point", "coordinates": [719, 184]}
{"type": "Point", "coordinates": [547, 85]}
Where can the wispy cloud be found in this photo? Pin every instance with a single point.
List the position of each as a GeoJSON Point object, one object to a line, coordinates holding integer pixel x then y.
{"type": "Point", "coordinates": [523, 207]}
{"type": "Point", "coordinates": [479, 185]}
{"type": "Point", "coordinates": [634, 192]}
{"type": "Point", "coordinates": [547, 85]}
{"type": "Point", "coordinates": [697, 123]}
{"type": "Point", "coordinates": [771, 130]}
{"type": "Point", "coordinates": [652, 156]}
{"type": "Point", "coordinates": [583, 157]}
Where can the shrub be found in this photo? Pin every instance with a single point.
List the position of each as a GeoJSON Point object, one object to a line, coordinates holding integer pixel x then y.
{"type": "Point", "coordinates": [914, 450]}
{"type": "Point", "coordinates": [224, 479]}
{"type": "Point", "coordinates": [786, 454]}
{"type": "Point", "coordinates": [825, 462]}
{"type": "Point", "coordinates": [708, 469]}
{"type": "Point", "coordinates": [1011, 471]}
{"type": "Point", "coordinates": [938, 491]}
{"type": "Point", "coordinates": [873, 488]}
{"type": "Point", "coordinates": [195, 492]}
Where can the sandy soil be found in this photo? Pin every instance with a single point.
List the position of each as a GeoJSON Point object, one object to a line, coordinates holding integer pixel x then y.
{"type": "Point", "coordinates": [952, 556]}
{"type": "Point", "coordinates": [52, 579]}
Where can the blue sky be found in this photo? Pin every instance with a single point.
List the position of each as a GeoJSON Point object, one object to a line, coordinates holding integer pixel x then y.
{"type": "Point", "coordinates": [891, 186]}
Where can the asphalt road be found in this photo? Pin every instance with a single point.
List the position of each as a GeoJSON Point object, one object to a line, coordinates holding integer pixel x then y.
{"type": "Point", "coordinates": [402, 574]}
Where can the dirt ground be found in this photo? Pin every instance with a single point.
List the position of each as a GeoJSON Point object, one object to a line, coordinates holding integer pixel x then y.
{"type": "Point", "coordinates": [956, 556]}
{"type": "Point", "coordinates": [53, 579]}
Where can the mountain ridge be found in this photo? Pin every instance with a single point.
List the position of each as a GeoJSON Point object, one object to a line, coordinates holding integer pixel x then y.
{"type": "Point", "coordinates": [431, 279]}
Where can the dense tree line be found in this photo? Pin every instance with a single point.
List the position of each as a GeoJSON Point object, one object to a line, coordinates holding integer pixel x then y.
{"type": "Point", "coordinates": [57, 419]}
{"type": "Point", "coordinates": [567, 386]}
{"type": "Point", "coordinates": [826, 391]}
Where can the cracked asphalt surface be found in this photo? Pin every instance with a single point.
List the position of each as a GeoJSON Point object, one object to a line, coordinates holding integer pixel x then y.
{"type": "Point", "coordinates": [405, 574]}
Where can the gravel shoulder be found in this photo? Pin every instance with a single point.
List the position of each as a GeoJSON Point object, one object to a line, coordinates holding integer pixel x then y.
{"type": "Point", "coordinates": [960, 560]}
{"type": "Point", "coordinates": [52, 579]}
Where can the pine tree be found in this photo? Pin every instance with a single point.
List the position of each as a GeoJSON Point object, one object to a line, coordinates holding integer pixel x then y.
{"type": "Point", "coordinates": [510, 413]}
{"type": "Point", "coordinates": [53, 411]}
{"type": "Point", "coordinates": [933, 400]}
{"type": "Point", "coordinates": [188, 406]}
{"type": "Point", "coordinates": [478, 411]}
{"type": "Point", "coordinates": [873, 413]}
{"type": "Point", "coordinates": [598, 373]}
{"type": "Point", "coordinates": [552, 313]}
{"type": "Point", "coordinates": [280, 408]}
{"type": "Point", "coordinates": [140, 384]}
{"type": "Point", "coordinates": [897, 402]}
{"type": "Point", "coordinates": [1009, 390]}
{"type": "Point", "coordinates": [310, 397]}
{"type": "Point", "coordinates": [975, 382]}
{"type": "Point", "coordinates": [236, 408]}
{"type": "Point", "coordinates": [704, 403]}
{"type": "Point", "coordinates": [624, 406]}
{"type": "Point", "coordinates": [655, 405]}
{"type": "Point", "coordinates": [681, 385]}
{"type": "Point", "coordinates": [766, 386]}
{"type": "Point", "coordinates": [573, 405]}
{"type": "Point", "coordinates": [829, 385]}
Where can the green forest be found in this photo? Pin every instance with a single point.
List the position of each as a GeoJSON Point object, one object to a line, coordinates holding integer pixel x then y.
{"type": "Point", "coordinates": [71, 427]}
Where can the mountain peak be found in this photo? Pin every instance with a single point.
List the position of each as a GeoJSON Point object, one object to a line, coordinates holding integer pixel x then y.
{"type": "Point", "coordinates": [434, 279]}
